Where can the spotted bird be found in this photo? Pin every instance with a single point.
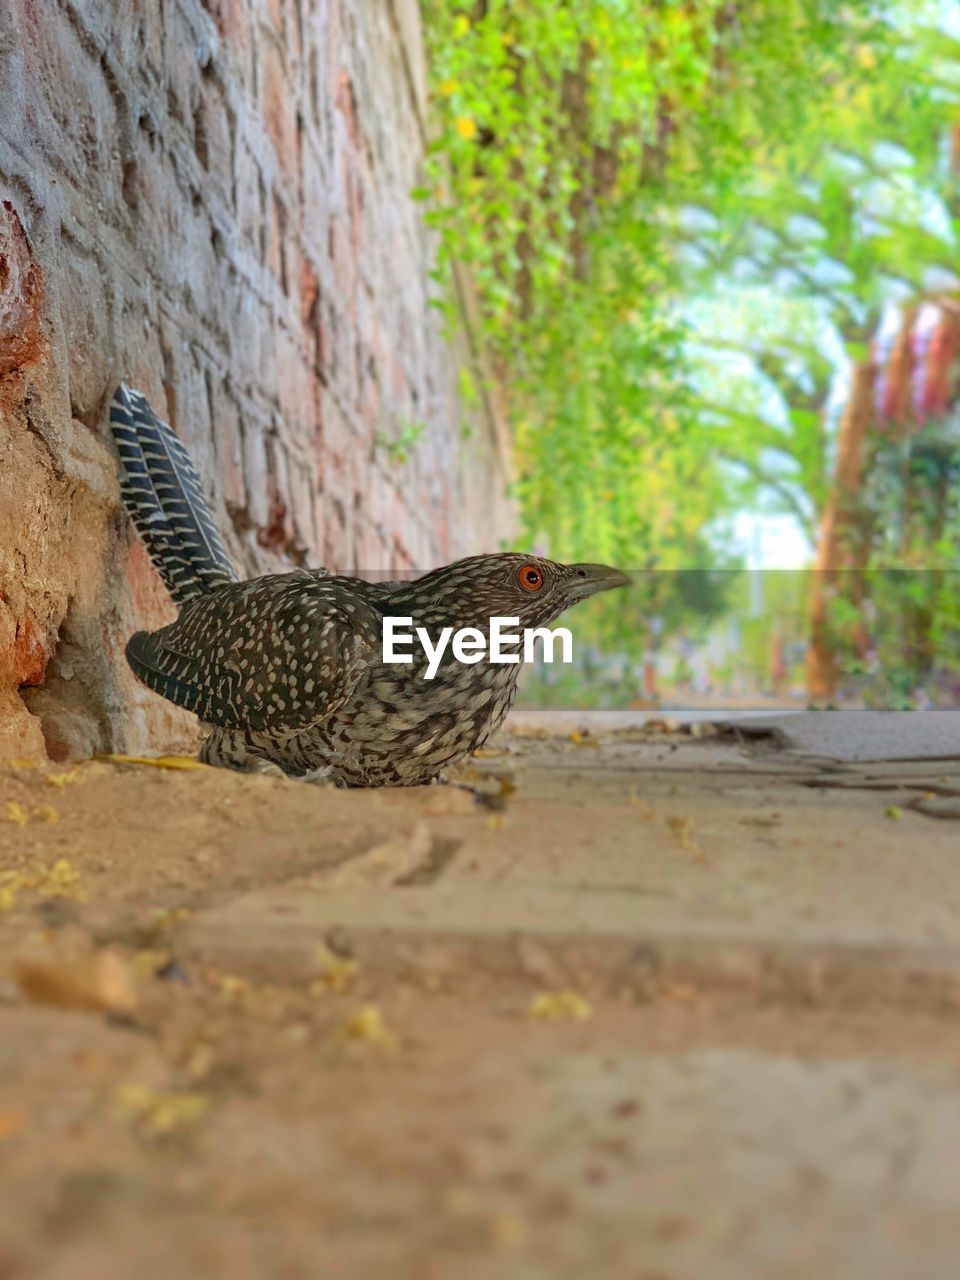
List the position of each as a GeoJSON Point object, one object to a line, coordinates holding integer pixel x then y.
{"type": "Point", "coordinates": [286, 670]}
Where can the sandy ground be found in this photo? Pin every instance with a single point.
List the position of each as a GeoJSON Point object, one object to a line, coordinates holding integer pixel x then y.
{"type": "Point", "coordinates": [654, 1005]}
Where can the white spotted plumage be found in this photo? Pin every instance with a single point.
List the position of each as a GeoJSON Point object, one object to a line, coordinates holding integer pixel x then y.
{"type": "Point", "coordinates": [287, 669]}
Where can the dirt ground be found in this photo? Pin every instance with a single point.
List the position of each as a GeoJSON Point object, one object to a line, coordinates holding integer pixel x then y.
{"type": "Point", "coordinates": [654, 1004]}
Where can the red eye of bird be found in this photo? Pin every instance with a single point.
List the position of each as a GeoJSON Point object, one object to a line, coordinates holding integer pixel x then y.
{"type": "Point", "coordinates": [530, 577]}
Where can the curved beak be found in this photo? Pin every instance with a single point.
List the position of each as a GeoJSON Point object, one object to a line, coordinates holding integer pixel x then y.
{"type": "Point", "coordinates": [587, 579]}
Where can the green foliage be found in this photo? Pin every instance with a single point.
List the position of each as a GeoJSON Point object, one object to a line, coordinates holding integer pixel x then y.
{"type": "Point", "coordinates": [908, 600]}
{"type": "Point", "coordinates": [681, 222]}
{"type": "Point", "coordinates": [851, 213]}
{"type": "Point", "coordinates": [569, 136]}
{"type": "Point", "coordinates": [397, 447]}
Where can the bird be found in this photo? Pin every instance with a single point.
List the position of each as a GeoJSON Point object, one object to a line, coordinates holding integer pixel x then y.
{"type": "Point", "coordinates": [286, 670]}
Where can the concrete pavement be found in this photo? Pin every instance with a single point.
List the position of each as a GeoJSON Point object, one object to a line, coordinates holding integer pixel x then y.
{"type": "Point", "coordinates": [661, 1003]}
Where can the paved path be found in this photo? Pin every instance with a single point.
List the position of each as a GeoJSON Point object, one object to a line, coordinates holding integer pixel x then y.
{"type": "Point", "coordinates": [835, 735]}
{"type": "Point", "coordinates": [660, 1004]}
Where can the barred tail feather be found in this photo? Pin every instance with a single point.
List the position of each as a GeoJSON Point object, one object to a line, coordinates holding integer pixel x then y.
{"type": "Point", "coordinates": [165, 500]}
{"type": "Point", "coordinates": [175, 677]}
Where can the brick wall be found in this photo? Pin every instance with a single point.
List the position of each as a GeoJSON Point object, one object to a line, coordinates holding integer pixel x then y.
{"type": "Point", "coordinates": [211, 201]}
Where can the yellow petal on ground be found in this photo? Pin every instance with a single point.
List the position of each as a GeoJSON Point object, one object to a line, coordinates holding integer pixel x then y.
{"type": "Point", "coordinates": [639, 803]}
{"type": "Point", "coordinates": [158, 1114]}
{"type": "Point", "coordinates": [337, 973]}
{"type": "Point", "coordinates": [64, 779]}
{"type": "Point", "coordinates": [508, 1230]}
{"type": "Point", "coordinates": [59, 881]}
{"type": "Point", "coordinates": [466, 126]}
{"type": "Point", "coordinates": [147, 961]}
{"type": "Point", "coordinates": [552, 1006]}
{"type": "Point", "coordinates": [156, 762]}
{"type": "Point", "coordinates": [234, 987]}
{"type": "Point", "coordinates": [367, 1023]}
{"type": "Point", "coordinates": [682, 829]}
{"type": "Point", "coordinates": [200, 1062]}
{"type": "Point", "coordinates": [680, 826]}
{"type": "Point", "coordinates": [17, 813]}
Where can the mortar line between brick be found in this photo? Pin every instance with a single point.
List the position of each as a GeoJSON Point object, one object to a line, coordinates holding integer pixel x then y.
{"type": "Point", "coordinates": [408, 73]}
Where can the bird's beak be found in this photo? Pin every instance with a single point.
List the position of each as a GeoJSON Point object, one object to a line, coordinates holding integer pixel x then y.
{"type": "Point", "coordinates": [587, 579]}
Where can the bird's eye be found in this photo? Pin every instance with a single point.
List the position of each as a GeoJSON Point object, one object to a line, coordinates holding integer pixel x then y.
{"type": "Point", "coordinates": [530, 577]}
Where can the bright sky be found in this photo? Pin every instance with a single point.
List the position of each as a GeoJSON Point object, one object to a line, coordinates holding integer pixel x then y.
{"type": "Point", "coordinates": [770, 542]}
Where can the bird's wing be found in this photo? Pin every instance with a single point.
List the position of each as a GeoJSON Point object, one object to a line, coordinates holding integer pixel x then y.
{"type": "Point", "coordinates": [279, 653]}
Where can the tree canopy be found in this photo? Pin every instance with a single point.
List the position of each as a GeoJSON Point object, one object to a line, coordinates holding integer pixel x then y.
{"type": "Point", "coordinates": [683, 222]}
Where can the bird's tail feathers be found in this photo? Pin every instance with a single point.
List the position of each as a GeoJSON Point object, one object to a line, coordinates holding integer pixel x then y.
{"type": "Point", "coordinates": [165, 500]}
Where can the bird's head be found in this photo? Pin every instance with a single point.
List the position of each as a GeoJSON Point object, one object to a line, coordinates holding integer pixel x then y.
{"type": "Point", "coordinates": [470, 592]}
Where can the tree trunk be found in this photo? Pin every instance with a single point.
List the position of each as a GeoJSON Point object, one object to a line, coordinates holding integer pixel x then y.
{"type": "Point", "coordinates": [837, 549]}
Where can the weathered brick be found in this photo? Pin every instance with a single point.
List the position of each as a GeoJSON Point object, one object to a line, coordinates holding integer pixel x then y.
{"type": "Point", "coordinates": [85, 305]}
{"type": "Point", "coordinates": [81, 111]}
{"type": "Point", "coordinates": [217, 196]}
{"type": "Point", "coordinates": [279, 111]}
{"type": "Point", "coordinates": [213, 135]}
{"type": "Point", "coordinates": [180, 71]}
{"type": "Point", "coordinates": [22, 342]}
{"type": "Point", "coordinates": [233, 21]}
{"type": "Point", "coordinates": [249, 213]}
{"type": "Point", "coordinates": [257, 475]}
{"type": "Point", "coordinates": [228, 442]}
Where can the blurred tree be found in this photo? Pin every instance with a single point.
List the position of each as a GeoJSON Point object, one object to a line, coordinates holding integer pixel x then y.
{"type": "Point", "coordinates": [610, 172]}
{"type": "Point", "coordinates": [566, 134]}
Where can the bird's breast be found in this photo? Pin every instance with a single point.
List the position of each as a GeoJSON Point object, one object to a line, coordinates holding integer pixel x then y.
{"type": "Point", "coordinates": [403, 729]}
